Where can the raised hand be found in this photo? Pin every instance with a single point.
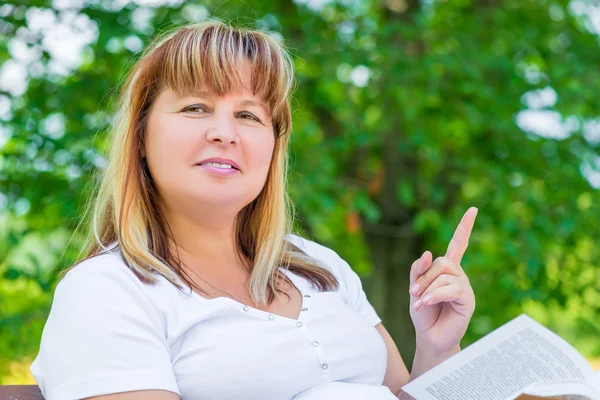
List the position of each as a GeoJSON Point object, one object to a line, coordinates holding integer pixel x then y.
{"type": "Point", "coordinates": [442, 300]}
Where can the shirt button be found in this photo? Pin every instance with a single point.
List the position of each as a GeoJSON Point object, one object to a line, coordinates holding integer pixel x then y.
{"type": "Point", "coordinates": [316, 344]}
{"type": "Point", "coordinates": [305, 309]}
{"type": "Point", "coordinates": [324, 366]}
{"type": "Point", "coordinates": [271, 317]}
{"type": "Point", "coordinates": [307, 295]}
{"type": "Point", "coordinates": [299, 324]}
{"type": "Point", "coordinates": [245, 308]}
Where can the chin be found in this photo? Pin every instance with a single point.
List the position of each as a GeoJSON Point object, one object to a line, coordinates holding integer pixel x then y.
{"type": "Point", "coordinates": [231, 202]}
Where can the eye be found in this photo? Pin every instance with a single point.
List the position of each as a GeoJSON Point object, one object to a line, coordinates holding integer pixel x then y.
{"type": "Point", "coordinates": [193, 108]}
{"type": "Point", "coordinates": [247, 115]}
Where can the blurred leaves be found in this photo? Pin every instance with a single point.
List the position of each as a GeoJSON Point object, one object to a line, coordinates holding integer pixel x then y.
{"type": "Point", "coordinates": [406, 114]}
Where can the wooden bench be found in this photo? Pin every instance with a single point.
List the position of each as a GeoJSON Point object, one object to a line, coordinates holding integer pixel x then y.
{"type": "Point", "coordinates": [20, 392]}
{"type": "Point", "coordinates": [32, 392]}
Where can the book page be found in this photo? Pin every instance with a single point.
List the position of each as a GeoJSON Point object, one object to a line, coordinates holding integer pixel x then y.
{"type": "Point", "coordinates": [576, 389]}
{"type": "Point", "coordinates": [502, 364]}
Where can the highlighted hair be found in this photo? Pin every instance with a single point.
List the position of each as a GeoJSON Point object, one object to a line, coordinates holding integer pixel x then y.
{"type": "Point", "coordinates": [126, 210]}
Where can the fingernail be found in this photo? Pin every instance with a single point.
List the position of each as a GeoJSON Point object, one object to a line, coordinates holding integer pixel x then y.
{"type": "Point", "coordinates": [415, 288]}
{"type": "Point", "coordinates": [427, 299]}
{"type": "Point", "coordinates": [417, 304]}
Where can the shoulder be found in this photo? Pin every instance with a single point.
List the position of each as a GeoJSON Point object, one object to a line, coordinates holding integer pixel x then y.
{"type": "Point", "coordinates": [350, 285]}
{"type": "Point", "coordinates": [315, 250]}
{"type": "Point", "coordinates": [325, 256]}
{"type": "Point", "coordinates": [106, 267]}
{"type": "Point", "coordinates": [104, 292]}
{"type": "Point", "coordinates": [104, 280]}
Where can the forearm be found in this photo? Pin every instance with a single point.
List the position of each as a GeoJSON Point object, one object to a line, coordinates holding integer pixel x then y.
{"type": "Point", "coordinates": [424, 360]}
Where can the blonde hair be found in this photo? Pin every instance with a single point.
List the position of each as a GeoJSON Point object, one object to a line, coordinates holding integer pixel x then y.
{"type": "Point", "coordinates": [126, 207]}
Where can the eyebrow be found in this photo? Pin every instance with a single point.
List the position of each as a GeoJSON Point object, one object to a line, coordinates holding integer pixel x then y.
{"type": "Point", "coordinates": [199, 93]}
{"type": "Point", "coordinates": [261, 105]}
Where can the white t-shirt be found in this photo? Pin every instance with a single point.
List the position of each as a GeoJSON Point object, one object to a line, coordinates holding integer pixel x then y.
{"type": "Point", "coordinates": [108, 332]}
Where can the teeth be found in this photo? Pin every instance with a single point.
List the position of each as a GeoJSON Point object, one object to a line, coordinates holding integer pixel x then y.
{"type": "Point", "coordinates": [214, 164]}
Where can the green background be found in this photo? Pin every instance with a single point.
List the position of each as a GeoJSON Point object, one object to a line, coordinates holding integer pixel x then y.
{"type": "Point", "coordinates": [406, 113]}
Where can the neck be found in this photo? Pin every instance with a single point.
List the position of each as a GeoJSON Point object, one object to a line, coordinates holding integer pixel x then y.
{"type": "Point", "coordinates": [206, 242]}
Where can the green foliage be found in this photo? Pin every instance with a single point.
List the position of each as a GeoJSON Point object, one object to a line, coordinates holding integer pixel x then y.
{"type": "Point", "coordinates": [402, 120]}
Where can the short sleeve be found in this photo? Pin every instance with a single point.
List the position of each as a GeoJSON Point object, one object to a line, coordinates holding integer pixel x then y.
{"type": "Point", "coordinates": [357, 298]}
{"type": "Point", "coordinates": [350, 283]}
{"type": "Point", "coordinates": [102, 336]}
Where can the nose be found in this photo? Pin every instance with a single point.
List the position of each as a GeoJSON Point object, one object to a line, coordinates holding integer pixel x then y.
{"type": "Point", "coordinates": [222, 131]}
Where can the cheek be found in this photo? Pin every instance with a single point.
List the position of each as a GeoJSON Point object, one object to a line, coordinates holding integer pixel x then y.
{"type": "Point", "coordinates": [169, 132]}
{"type": "Point", "coordinates": [167, 147]}
{"type": "Point", "coordinates": [262, 154]}
{"type": "Point", "coordinates": [168, 141]}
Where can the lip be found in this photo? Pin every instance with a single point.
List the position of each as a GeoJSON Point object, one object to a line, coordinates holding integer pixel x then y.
{"type": "Point", "coordinates": [220, 161]}
{"type": "Point", "coordinates": [219, 171]}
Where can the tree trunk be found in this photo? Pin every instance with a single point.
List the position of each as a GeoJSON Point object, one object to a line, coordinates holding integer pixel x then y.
{"type": "Point", "coordinates": [392, 257]}
{"type": "Point", "coordinates": [393, 247]}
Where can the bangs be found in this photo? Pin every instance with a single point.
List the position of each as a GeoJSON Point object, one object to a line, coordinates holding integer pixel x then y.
{"type": "Point", "coordinates": [213, 57]}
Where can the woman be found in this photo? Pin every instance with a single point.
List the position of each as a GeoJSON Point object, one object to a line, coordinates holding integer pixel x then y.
{"type": "Point", "coordinates": [193, 285]}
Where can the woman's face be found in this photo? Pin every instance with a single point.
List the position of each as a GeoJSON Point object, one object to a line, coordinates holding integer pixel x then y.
{"type": "Point", "coordinates": [183, 132]}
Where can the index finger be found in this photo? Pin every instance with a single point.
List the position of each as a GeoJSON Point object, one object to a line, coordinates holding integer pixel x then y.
{"type": "Point", "coordinates": [460, 240]}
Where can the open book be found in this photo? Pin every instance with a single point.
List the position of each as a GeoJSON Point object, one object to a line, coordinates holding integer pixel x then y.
{"type": "Point", "coordinates": [520, 359]}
